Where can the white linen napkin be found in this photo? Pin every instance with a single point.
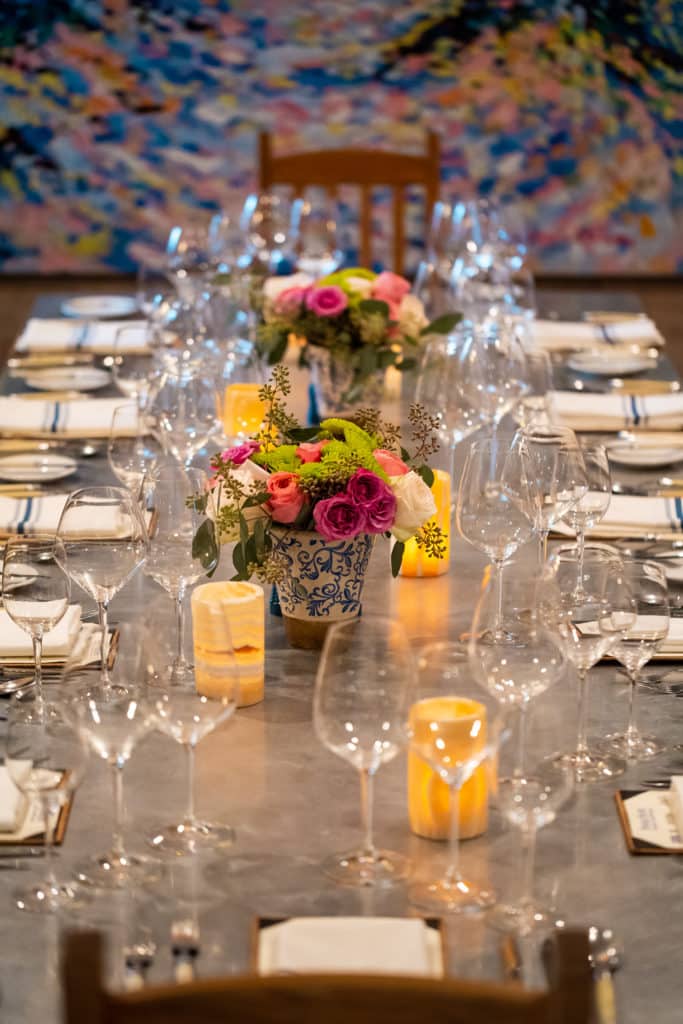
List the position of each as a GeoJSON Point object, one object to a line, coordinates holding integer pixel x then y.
{"type": "Point", "coordinates": [630, 515]}
{"type": "Point", "coordinates": [90, 417]}
{"type": "Point", "coordinates": [571, 335]}
{"type": "Point", "coordinates": [52, 335]}
{"type": "Point", "coordinates": [41, 515]}
{"type": "Point", "coordinates": [584, 411]}
{"type": "Point", "coordinates": [15, 643]}
{"type": "Point", "coordinates": [363, 945]}
{"type": "Point", "coordinates": [12, 802]}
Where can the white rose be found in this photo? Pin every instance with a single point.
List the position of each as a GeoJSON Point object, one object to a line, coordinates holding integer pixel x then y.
{"type": "Point", "coordinates": [360, 285]}
{"type": "Point", "coordinates": [411, 315]}
{"type": "Point", "coordinates": [247, 474]}
{"type": "Point", "coordinates": [414, 504]}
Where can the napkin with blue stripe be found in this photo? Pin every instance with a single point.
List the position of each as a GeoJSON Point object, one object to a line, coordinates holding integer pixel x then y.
{"type": "Point", "coordinates": [582, 411]}
{"type": "Point", "coordinates": [53, 335]}
{"type": "Point", "coordinates": [88, 417]}
{"type": "Point", "coordinates": [634, 516]}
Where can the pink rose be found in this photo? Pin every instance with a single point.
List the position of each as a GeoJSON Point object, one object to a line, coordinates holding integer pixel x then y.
{"type": "Point", "coordinates": [289, 302]}
{"type": "Point", "coordinates": [375, 498]}
{"type": "Point", "coordinates": [286, 497]}
{"type": "Point", "coordinates": [240, 453]}
{"type": "Point", "coordinates": [309, 451]}
{"type": "Point", "coordinates": [390, 463]}
{"type": "Point", "coordinates": [390, 288]}
{"type": "Point", "coordinates": [327, 301]}
{"type": "Point", "coordinates": [339, 518]}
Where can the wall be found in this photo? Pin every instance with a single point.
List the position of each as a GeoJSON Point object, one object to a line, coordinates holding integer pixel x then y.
{"type": "Point", "coordinates": [122, 116]}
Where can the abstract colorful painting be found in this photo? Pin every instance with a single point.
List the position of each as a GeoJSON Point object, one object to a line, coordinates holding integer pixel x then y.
{"type": "Point", "coordinates": [120, 117]}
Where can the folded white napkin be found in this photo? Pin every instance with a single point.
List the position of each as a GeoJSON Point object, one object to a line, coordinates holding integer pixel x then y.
{"type": "Point", "coordinates": [632, 516]}
{"type": "Point", "coordinates": [12, 803]}
{"type": "Point", "coordinates": [584, 411]}
{"type": "Point", "coordinates": [15, 643]}
{"type": "Point", "coordinates": [90, 417]}
{"type": "Point", "coordinates": [48, 335]}
{"type": "Point", "coordinates": [363, 945]}
{"type": "Point", "coordinates": [41, 515]}
{"type": "Point", "coordinates": [563, 335]}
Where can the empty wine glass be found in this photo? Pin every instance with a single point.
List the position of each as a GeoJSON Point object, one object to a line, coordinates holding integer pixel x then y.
{"type": "Point", "coordinates": [187, 710]}
{"type": "Point", "coordinates": [104, 544]}
{"type": "Point", "coordinates": [187, 412]}
{"type": "Point", "coordinates": [535, 406]}
{"type": "Point", "coordinates": [135, 373]}
{"type": "Point", "coordinates": [493, 366]}
{"type": "Point", "coordinates": [132, 458]}
{"type": "Point", "coordinates": [152, 291]}
{"type": "Point", "coordinates": [188, 259]}
{"type": "Point", "coordinates": [35, 591]}
{"type": "Point", "coordinates": [593, 504]}
{"type": "Point", "coordinates": [451, 388]}
{"type": "Point", "coordinates": [265, 221]}
{"type": "Point", "coordinates": [635, 645]}
{"type": "Point", "coordinates": [432, 283]}
{"type": "Point", "coordinates": [364, 689]}
{"type": "Point", "coordinates": [45, 761]}
{"type": "Point", "coordinates": [170, 561]}
{"type": "Point", "coordinates": [556, 464]}
{"type": "Point", "coordinates": [495, 507]}
{"type": "Point", "coordinates": [579, 621]}
{"type": "Point", "coordinates": [456, 727]}
{"type": "Point", "coordinates": [314, 234]}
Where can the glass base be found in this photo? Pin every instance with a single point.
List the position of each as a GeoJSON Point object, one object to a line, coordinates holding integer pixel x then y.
{"type": "Point", "coordinates": [523, 918]}
{"type": "Point", "coordinates": [452, 897]}
{"type": "Point", "coordinates": [187, 838]}
{"type": "Point", "coordinates": [116, 871]}
{"type": "Point", "coordinates": [633, 747]}
{"type": "Point", "coordinates": [593, 767]}
{"type": "Point", "coordinates": [360, 870]}
{"type": "Point", "coordinates": [47, 898]}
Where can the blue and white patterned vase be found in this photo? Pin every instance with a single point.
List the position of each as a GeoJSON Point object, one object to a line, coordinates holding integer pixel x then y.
{"type": "Point", "coordinates": [323, 583]}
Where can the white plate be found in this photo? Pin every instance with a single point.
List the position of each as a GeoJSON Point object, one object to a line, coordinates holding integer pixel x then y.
{"type": "Point", "coordinates": [35, 467]}
{"type": "Point", "coordinates": [68, 378]}
{"type": "Point", "coordinates": [99, 307]}
{"type": "Point", "coordinates": [633, 455]}
{"type": "Point", "coordinates": [610, 364]}
{"type": "Point", "coordinates": [674, 573]}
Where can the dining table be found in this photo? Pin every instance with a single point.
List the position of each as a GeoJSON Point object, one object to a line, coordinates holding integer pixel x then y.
{"type": "Point", "coordinates": [292, 803]}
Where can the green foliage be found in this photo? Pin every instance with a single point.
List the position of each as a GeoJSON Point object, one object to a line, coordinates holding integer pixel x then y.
{"type": "Point", "coordinates": [397, 557]}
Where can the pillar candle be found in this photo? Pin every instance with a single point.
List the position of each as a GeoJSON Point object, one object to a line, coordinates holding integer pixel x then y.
{"type": "Point", "coordinates": [228, 625]}
{"type": "Point", "coordinates": [416, 561]}
{"type": "Point", "coordinates": [242, 410]}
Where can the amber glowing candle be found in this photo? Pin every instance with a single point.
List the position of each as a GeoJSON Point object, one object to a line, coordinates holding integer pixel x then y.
{"type": "Point", "coordinates": [416, 561]}
{"type": "Point", "coordinates": [243, 410]}
{"type": "Point", "coordinates": [228, 627]}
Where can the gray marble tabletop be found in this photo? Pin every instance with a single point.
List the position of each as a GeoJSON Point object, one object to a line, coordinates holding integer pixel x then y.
{"type": "Point", "coordinates": [292, 802]}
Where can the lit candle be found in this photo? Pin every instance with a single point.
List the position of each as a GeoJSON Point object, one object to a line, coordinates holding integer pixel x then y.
{"type": "Point", "coordinates": [243, 410]}
{"type": "Point", "coordinates": [228, 625]}
{"type": "Point", "coordinates": [429, 798]}
{"type": "Point", "coordinates": [416, 561]}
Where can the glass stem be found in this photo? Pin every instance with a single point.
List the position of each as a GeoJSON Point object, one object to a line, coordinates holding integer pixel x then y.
{"type": "Point", "coordinates": [498, 622]}
{"type": "Point", "coordinates": [366, 804]}
{"type": "Point", "coordinates": [103, 608]}
{"type": "Point", "coordinates": [529, 848]}
{"type": "Point", "coordinates": [544, 547]}
{"type": "Point", "coordinates": [581, 745]}
{"type": "Point", "coordinates": [38, 661]}
{"type": "Point", "coordinates": [632, 729]}
{"type": "Point", "coordinates": [190, 818]}
{"type": "Point", "coordinates": [50, 876]}
{"type": "Point", "coordinates": [521, 740]}
{"type": "Point", "coordinates": [581, 551]}
{"type": "Point", "coordinates": [453, 875]}
{"type": "Point", "coordinates": [117, 835]}
{"type": "Point", "coordinates": [179, 598]}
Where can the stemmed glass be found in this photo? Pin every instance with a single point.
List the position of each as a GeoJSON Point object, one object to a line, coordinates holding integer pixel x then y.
{"type": "Point", "coordinates": [535, 407]}
{"type": "Point", "coordinates": [634, 647]}
{"type": "Point", "coordinates": [102, 563]}
{"type": "Point", "coordinates": [450, 388]}
{"type": "Point", "coordinates": [186, 409]}
{"type": "Point", "coordinates": [456, 726]}
{"type": "Point", "coordinates": [45, 761]}
{"type": "Point", "coordinates": [495, 507]}
{"type": "Point", "coordinates": [188, 259]}
{"type": "Point", "coordinates": [132, 458]}
{"type": "Point", "coordinates": [556, 463]}
{"type": "Point", "coordinates": [364, 689]}
{"type": "Point", "coordinates": [592, 506]}
{"type": "Point", "coordinates": [494, 366]}
{"type": "Point", "coordinates": [135, 374]}
{"type": "Point", "coordinates": [187, 710]}
{"type": "Point", "coordinates": [314, 234]}
{"type": "Point", "coordinates": [265, 221]}
{"type": "Point", "coordinates": [169, 561]}
{"type": "Point", "coordinates": [35, 591]}
{"type": "Point", "coordinates": [587, 625]}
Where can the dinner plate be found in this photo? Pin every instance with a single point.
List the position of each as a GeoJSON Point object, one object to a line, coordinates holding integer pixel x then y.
{"type": "Point", "coordinates": [68, 378]}
{"type": "Point", "coordinates": [99, 307]}
{"type": "Point", "coordinates": [36, 466]}
{"type": "Point", "coordinates": [610, 363]}
{"type": "Point", "coordinates": [645, 456]}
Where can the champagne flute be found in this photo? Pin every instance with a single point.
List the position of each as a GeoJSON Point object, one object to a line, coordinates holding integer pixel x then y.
{"type": "Point", "coordinates": [132, 458]}
{"type": "Point", "coordinates": [102, 563]}
{"type": "Point", "coordinates": [45, 761]}
{"type": "Point", "coordinates": [556, 463]}
{"type": "Point", "coordinates": [35, 591]}
{"type": "Point", "coordinates": [592, 505]}
{"type": "Point", "coordinates": [364, 689]}
{"type": "Point", "coordinates": [456, 727]}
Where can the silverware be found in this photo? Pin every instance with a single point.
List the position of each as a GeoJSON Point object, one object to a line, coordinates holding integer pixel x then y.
{"type": "Point", "coordinates": [16, 851]}
{"type": "Point", "coordinates": [655, 783]}
{"type": "Point", "coordinates": [184, 948]}
{"type": "Point", "coordinates": [138, 959]}
{"type": "Point", "coordinates": [606, 958]}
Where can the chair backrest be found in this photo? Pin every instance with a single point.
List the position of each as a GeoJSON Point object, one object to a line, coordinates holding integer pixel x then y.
{"type": "Point", "coordinates": [327, 999]}
{"type": "Point", "coordinates": [365, 168]}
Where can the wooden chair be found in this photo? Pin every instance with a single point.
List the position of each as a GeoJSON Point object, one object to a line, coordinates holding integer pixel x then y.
{"type": "Point", "coordinates": [366, 168]}
{"type": "Point", "coordinates": [327, 999]}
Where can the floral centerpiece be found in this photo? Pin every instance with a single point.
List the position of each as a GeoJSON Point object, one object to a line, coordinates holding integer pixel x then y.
{"type": "Point", "coordinates": [354, 323]}
{"type": "Point", "coordinates": [303, 506]}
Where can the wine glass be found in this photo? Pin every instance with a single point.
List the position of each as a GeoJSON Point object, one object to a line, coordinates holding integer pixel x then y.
{"type": "Point", "coordinates": [265, 221]}
{"type": "Point", "coordinates": [102, 563]}
{"type": "Point", "coordinates": [187, 709]}
{"type": "Point", "coordinates": [35, 591]}
{"type": "Point", "coordinates": [135, 374]}
{"type": "Point", "coordinates": [583, 623]}
{"type": "Point", "coordinates": [634, 647]}
{"type": "Point", "coordinates": [45, 761]}
{"type": "Point", "coordinates": [535, 406]}
{"type": "Point", "coordinates": [456, 727]}
{"type": "Point", "coordinates": [364, 689]}
{"type": "Point", "coordinates": [432, 283]}
{"type": "Point", "coordinates": [593, 504]}
{"type": "Point", "coordinates": [132, 459]}
{"type": "Point", "coordinates": [495, 507]}
{"type": "Point", "coordinates": [188, 259]}
{"type": "Point", "coordinates": [494, 367]}
{"type": "Point", "coordinates": [170, 561]}
{"type": "Point", "coordinates": [152, 289]}
{"type": "Point", "coordinates": [314, 234]}
{"type": "Point", "coordinates": [556, 463]}
{"type": "Point", "coordinates": [450, 388]}
{"type": "Point", "coordinates": [187, 410]}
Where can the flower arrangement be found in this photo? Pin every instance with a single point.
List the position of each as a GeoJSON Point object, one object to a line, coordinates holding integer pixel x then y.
{"type": "Point", "coordinates": [369, 320]}
{"type": "Point", "coordinates": [338, 479]}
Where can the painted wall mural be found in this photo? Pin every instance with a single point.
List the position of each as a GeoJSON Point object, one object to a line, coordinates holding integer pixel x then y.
{"type": "Point", "coordinates": [119, 117]}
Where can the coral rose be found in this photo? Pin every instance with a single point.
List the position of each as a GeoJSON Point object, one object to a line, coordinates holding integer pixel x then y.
{"type": "Point", "coordinates": [309, 451]}
{"type": "Point", "coordinates": [390, 463]}
{"type": "Point", "coordinates": [391, 288]}
{"type": "Point", "coordinates": [286, 497]}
